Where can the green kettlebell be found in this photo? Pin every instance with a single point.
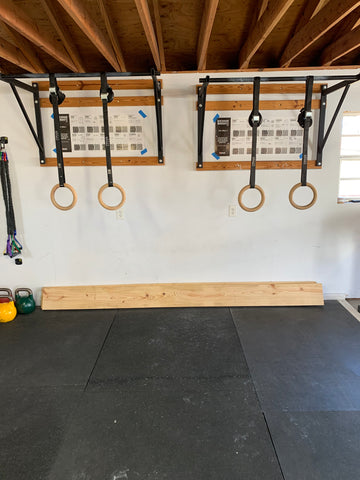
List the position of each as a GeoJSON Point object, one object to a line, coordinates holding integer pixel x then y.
{"type": "Point", "coordinates": [24, 303]}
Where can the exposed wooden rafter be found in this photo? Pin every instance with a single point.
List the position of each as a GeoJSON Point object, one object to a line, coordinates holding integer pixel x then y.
{"type": "Point", "coordinates": [12, 54]}
{"type": "Point", "coordinates": [80, 15]}
{"type": "Point", "coordinates": [112, 35]}
{"type": "Point", "coordinates": [205, 32]}
{"type": "Point", "coordinates": [53, 14]}
{"type": "Point", "coordinates": [345, 44]}
{"type": "Point", "coordinates": [19, 21]}
{"type": "Point", "coordinates": [319, 24]}
{"type": "Point", "coordinates": [273, 13]}
{"type": "Point", "coordinates": [145, 17]}
{"type": "Point", "coordinates": [26, 48]}
{"type": "Point", "coordinates": [159, 34]}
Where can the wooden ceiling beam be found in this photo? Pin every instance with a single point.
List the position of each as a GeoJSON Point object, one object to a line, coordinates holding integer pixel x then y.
{"type": "Point", "coordinates": [80, 15]}
{"type": "Point", "coordinates": [272, 15]}
{"type": "Point", "coordinates": [12, 54]}
{"type": "Point", "coordinates": [343, 45]}
{"type": "Point", "coordinates": [112, 35]}
{"type": "Point", "coordinates": [207, 23]}
{"type": "Point", "coordinates": [159, 34]}
{"type": "Point", "coordinates": [19, 21]}
{"type": "Point", "coordinates": [145, 17]}
{"type": "Point", "coordinates": [26, 48]}
{"type": "Point", "coordinates": [53, 14]}
{"type": "Point", "coordinates": [322, 22]}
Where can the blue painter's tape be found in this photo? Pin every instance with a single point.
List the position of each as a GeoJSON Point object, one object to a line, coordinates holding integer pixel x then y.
{"type": "Point", "coordinates": [216, 117]}
{"type": "Point", "coordinates": [143, 151]}
{"type": "Point", "coordinates": [54, 150]}
{"type": "Point", "coordinates": [215, 155]}
{"type": "Point", "coordinates": [300, 156]}
{"type": "Point", "coordinates": [142, 114]}
{"type": "Point", "coordinates": [52, 115]}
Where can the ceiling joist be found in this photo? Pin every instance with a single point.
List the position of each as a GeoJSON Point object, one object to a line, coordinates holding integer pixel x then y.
{"type": "Point", "coordinates": [19, 21]}
{"type": "Point", "coordinates": [345, 44]}
{"type": "Point", "coordinates": [12, 54]}
{"type": "Point", "coordinates": [319, 24]}
{"type": "Point", "coordinates": [26, 48]}
{"type": "Point", "coordinates": [112, 35]}
{"type": "Point", "coordinates": [53, 15]}
{"type": "Point", "coordinates": [79, 14]}
{"type": "Point", "coordinates": [205, 32]}
{"type": "Point", "coordinates": [145, 17]}
{"type": "Point", "coordinates": [272, 15]}
{"type": "Point", "coordinates": [159, 34]}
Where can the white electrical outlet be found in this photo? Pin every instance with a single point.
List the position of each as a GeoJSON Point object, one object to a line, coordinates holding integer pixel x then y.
{"type": "Point", "coordinates": [232, 210]}
{"type": "Point", "coordinates": [120, 214]}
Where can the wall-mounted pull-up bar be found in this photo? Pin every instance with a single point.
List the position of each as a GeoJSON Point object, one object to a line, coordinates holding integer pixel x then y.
{"type": "Point", "coordinates": [345, 82]}
{"type": "Point", "coordinates": [37, 133]}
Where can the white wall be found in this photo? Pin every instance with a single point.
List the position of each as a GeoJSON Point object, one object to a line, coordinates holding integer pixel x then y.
{"type": "Point", "coordinates": [176, 226]}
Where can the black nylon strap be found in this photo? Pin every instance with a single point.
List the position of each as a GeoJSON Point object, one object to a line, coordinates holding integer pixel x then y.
{"type": "Point", "coordinates": [6, 189]}
{"type": "Point", "coordinates": [105, 94]}
{"type": "Point", "coordinates": [254, 121]}
{"type": "Point", "coordinates": [307, 125]}
{"type": "Point", "coordinates": [54, 99]}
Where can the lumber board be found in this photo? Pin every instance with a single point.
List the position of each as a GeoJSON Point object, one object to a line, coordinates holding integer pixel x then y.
{"type": "Point", "coordinates": [66, 85]}
{"type": "Point", "coordinates": [264, 105]}
{"type": "Point", "coordinates": [96, 102]}
{"type": "Point", "coordinates": [265, 88]}
{"type": "Point", "coordinates": [182, 295]}
{"type": "Point", "coordinates": [260, 165]}
{"type": "Point", "coordinates": [101, 161]}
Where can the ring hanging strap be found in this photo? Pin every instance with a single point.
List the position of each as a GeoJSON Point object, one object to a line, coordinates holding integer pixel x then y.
{"type": "Point", "coordinates": [254, 121]}
{"type": "Point", "coordinates": [56, 97]}
{"type": "Point", "coordinates": [107, 96]}
{"type": "Point", "coordinates": [305, 121]}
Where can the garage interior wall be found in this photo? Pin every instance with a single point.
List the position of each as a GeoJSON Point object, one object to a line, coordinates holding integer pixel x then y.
{"type": "Point", "coordinates": [176, 226]}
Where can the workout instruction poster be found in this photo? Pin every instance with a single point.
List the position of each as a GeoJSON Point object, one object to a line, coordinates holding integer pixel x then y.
{"type": "Point", "coordinates": [87, 132]}
{"type": "Point", "coordinates": [279, 138]}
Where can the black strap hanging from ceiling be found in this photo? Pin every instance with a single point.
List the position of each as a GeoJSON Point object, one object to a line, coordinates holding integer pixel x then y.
{"type": "Point", "coordinates": [107, 96]}
{"type": "Point", "coordinates": [56, 97]}
{"type": "Point", "coordinates": [255, 120]}
{"type": "Point", "coordinates": [13, 246]}
{"type": "Point", "coordinates": [305, 121]}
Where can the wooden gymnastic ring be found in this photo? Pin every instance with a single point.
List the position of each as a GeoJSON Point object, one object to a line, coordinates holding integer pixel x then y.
{"type": "Point", "coordinates": [112, 207]}
{"type": "Point", "coordinates": [251, 209]}
{"type": "Point", "coordinates": [302, 207]}
{"type": "Point", "coordinates": [57, 205]}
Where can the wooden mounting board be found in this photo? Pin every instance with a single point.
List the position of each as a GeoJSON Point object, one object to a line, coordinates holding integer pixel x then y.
{"type": "Point", "coordinates": [264, 105]}
{"type": "Point", "coordinates": [96, 102]}
{"type": "Point", "coordinates": [260, 165]}
{"type": "Point", "coordinates": [67, 85]}
{"type": "Point", "coordinates": [101, 161]}
{"type": "Point", "coordinates": [247, 88]}
{"type": "Point", "coordinates": [182, 295]}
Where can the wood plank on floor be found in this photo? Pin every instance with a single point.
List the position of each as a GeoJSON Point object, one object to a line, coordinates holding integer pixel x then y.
{"type": "Point", "coordinates": [182, 295]}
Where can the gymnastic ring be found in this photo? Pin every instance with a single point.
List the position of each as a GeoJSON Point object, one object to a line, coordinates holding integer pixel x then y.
{"type": "Point", "coordinates": [302, 207]}
{"type": "Point", "coordinates": [57, 205]}
{"type": "Point", "coordinates": [251, 209]}
{"type": "Point", "coordinates": [112, 207]}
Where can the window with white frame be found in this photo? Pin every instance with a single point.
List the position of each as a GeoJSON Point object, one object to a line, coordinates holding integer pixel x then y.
{"type": "Point", "coordinates": [349, 185]}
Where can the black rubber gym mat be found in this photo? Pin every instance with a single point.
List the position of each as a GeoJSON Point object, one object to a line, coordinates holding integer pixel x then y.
{"type": "Point", "coordinates": [32, 425]}
{"type": "Point", "coordinates": [52, 348]}
{"type": "Point", "coordinates": [302, 358]}
{"type": "Point", "coordinates": [181, 342]}
{"type": "Point", "coordinates": [317, 445]}
{"type": "Point", "coordinates": [168, 429]}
